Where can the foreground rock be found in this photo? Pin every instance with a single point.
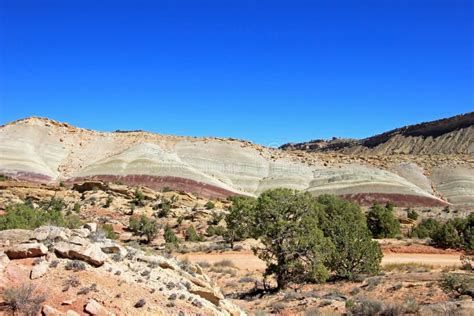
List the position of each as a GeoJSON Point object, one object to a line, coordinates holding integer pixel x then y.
{"type": "Point", "coordinates": [90, 253]}
{"type": "Point", "coordinates": [140, 283]}
{"type": "Point", "coordinates": [28, 250]}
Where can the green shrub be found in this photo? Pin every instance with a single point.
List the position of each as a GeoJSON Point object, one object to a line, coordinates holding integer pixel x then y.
{"type": "Point", "coordinates": [209, 205]}
{"type": "Point", "coordinates": [23, 216]}
{"type": "Point", "coordinates": [382, 222]}
{"type": "Point", "coordinates": [166, 189]}
{"type": "Point", "coordinates": [457, 284]}
{"type": "Point", "coordinates": [170, 237]}
{"type": "Point", "coordinates": [426, 228]}
{"type": "Point", "coordinates": [164, 208]}
{"type": "Point", "coordinates": [139, 199]}
{"type": "Point", "coordinates": [191, 235]}
{"type": "Point", "coordinates": [216, 218]}
{"type": "Point", "coordinates": [355, 252]}
{"type": "Point", "coordinates": [77, 207]}
{"type": "Point", "coordinates": [295, 248]}
{"type": "Point", "coordinates": [240, 219]}
{"type": "Point", "coordinates": [412, 214]}
{"type": "Point", "coordinates": [108, 201]}
{"type": "Point", "coordinates": [214, 230]}
{"type": "Point", "coordinates": [3, 177]}
{"type": "Point", "coordinates": [143, 226]}
{"type": "Point", "coordinates": [447, 236]}
{"type": "Point", "coordinates": [109, 232]}
{"type": "Point", "coordinates": [455, 233]}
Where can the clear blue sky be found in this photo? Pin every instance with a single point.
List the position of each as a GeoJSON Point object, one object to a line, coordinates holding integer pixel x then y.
{"type": "Point", "coordinates": [265, 70]}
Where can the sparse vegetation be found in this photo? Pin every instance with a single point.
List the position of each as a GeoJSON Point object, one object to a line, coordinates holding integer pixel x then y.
{"type": "Point", "coordinates": [108, 201]}
{"type": "Point", "coordinates": [75, 265]}
{"type": "Point", "coordinates": [192, 235]}
{"type": "Point", "coordinates": [164, 208]}
{"type": "Point", "coordinates": [457, 284]}
{"type": "Point", "coordinates": [109, 232]}
{"type": "Point", "coordinates": [139, 199]}
{"type": "Point", "coordinates": [24, 216]}
{"type": "Point", "coordinates": [412, 214]}
{"type": "Point", "coordinates": [22, 300]}
{"type": "Point", "coordinates": [170, 237]}
{"type": "Point", "coordinates": [455, 233]}
{"type": "Point", "coordinates": [143, 226]}
{"type": "Point", "coordinates": [210, 205]}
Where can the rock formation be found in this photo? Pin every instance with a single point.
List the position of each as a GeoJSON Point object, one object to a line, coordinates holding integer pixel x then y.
{"type": "Point", "coordinates": [45, 151]}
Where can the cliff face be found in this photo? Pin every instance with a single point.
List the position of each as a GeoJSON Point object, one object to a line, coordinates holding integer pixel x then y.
{"type": "Point", "coordinates": [453, 135]}
{"type": "Point", "coordinates": [46, 151]}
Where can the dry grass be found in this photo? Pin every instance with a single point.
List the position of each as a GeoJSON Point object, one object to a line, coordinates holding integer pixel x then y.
{"type": "Point", "coordinates": [408, 267]}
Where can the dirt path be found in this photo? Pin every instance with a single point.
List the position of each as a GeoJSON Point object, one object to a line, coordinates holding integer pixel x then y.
{"type": "Point", "coordinates": [245, 260]}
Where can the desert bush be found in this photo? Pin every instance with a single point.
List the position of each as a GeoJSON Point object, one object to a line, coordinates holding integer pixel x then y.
{"type": "Point", "coordinates": [166, 189]}
{"type": "Point", "coordinates": [209, 205]}
{"type": "Point", "coordinates": [425, 229]}
{"type": "Point", "coordinates": [143, 226]}
{"type": "Point", "coordinates": [192, 235]}
{"type": "Point", "coordinates": [382, 222]}
{"type": "Point", "coordinates": [170, 237]}
{"type": "Point", "coordinates": [77, 207]}
{"type": "Point", "coordinates": [412, 214]}
{"type": "Point", "coordinates": [22, 300]}
{"type": "Point", "coordinates": [239, 220]}
{"type": "Point", "coordinates": [139, 199]}
{"type": "Point", "coordinates": [344, 224]}
{"type": "Point", "coordinates": [215, 230]}
{"type": "Point", "coordinates": [23, 216]}
{"type": "Point", "coordinates": [72, 281]}
{"type": "Point", "coordinates": [109, 232]}
{"type": "Point", "coordinates": [455, 233]}
{"type": "Point", "coordinates": [75, 265]}
{"type": "Point", "coordinates": [164, 208]}
{"type": "Point", "coordinates": [216, 218]}
{"type": "Point", "coordinates": [295, 248]}
{"type": "Point", "coordinates": [366, 307]}
{"type": "Point", "coordinates": [108, 201]}
{"type": "Point", "coordinates": [457, 284]}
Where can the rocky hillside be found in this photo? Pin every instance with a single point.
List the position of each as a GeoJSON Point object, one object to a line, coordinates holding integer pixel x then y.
{"type": "Point", "coordinates": [454, 135]}
{"type": "Point", "coordinates": [75, 271]}
{"type": "Point", "coordinates": [46, 151]}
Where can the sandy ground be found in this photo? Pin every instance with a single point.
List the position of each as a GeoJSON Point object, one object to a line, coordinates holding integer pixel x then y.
{"type": "Point", "coordinates": [246, 260]}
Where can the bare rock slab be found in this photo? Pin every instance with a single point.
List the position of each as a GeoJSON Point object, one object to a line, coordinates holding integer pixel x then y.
{"type": "Point", "coordinates": [29, 250]}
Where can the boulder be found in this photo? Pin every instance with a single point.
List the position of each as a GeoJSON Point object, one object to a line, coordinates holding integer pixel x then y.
{"type": "Point", "coordinates": [94, 308]}
{"type": "Point", "coordinates": [15, 236]}
{"type": "Point", "coordinates": [72, 313]}
{"type": "Point", "coordinates": [52, 233]}
{"type": "Point", "coordinates": [90, 253]}
{"type": "Point", "coordinates": [76, 240]}
{"type": "Point", "coordinates": [28, 250]}
{"type": "Point", "coordinates": [81, 232]}
{"type": "Point", "coordinates": [51, 311]}
{"type": "Point", "coordinates": [4, 260]}
{"type": "Point", "coordinates": [39, 270]}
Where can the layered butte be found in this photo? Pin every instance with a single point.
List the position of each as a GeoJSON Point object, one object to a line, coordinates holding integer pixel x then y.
{"type": "Point", "coordinates": [43, 150]}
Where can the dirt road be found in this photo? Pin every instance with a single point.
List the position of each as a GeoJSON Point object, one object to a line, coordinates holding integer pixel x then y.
{"type": "Point", "coordinates": [245, 260]}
